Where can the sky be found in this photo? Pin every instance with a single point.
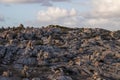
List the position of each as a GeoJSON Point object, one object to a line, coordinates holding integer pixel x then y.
{"type": "Point", "coordinates": [71, 13]}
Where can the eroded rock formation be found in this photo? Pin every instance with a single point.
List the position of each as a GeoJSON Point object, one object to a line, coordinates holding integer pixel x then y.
{"type": "Point", "coordinates": [59, 53]}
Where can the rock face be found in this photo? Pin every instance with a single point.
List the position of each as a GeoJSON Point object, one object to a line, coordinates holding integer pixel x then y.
{"type": "Point", "coordinates": [59, 53]}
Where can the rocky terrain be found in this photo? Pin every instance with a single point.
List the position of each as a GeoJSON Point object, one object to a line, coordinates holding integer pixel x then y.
{"type": "Point", "coordinates": [59, 53]}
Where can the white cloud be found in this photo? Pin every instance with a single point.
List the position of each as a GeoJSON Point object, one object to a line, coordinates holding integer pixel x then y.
{"type": "Point", "coordinates": [104, 14]}
{"type": "Point", "coordinates": [56, 15]}
{"type": "Point", "coordinates": [106, 8]}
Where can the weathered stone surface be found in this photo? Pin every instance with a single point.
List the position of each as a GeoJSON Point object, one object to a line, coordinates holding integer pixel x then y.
{"type": "Point", "coordinates": [63, 78]}
{"type": "Point", "coordinates": [35, 78]}
{"type": "Point", "coordinates": [2, 51]}
{"type": "Point", "coordinates": [27, 61]}
{"type": "Point", "coordinates": [59, 53]}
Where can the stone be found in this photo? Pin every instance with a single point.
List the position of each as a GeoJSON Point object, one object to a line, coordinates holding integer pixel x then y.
{"type": "Point", "coordinates": [59, 53]}
{"type": "Point", "coordinates": [77, 61]}
{"type": "Point", "coordinates": [4, 78]}
{"type": "Point", "coordinates": [64, 78]}
{"type": "Point", "coordinates": [70, 63]}
{"type": "Point", "coordinates": [27, 61]}
{"type": "Point", "coordinates": [25, 79]}
{"type": "Point", "coordinates": [35, 78]}
{"type": "Point", "coordinates": [2, 51]}
{"type": "Point", "coordinates": [5, 74]}
{"type": "Point", "coordinates": [24, 71]}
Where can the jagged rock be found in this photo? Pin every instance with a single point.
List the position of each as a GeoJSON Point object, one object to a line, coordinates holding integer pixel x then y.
{"type": "Point", "coordinates": [24, 71]}
{"type": "Point", "coordinates": [59, 53]}
{"type": "Point", "coordinates": [116, 34]}
{"type": "Point", "coordinates": [4, 78]}
{"type": "Point", "coordinates": [18, 66]}
{"type": "Point", "coordinates": [2, 51]}
{"type": "Point", "coordinates": [25, 79]}
{"type": "Point", "coordinates": [35, 78]}
{"type": "Point", "coordinates": [64, 78]}
{"type": "Point", "coordinates": [6, 73]}
{"type": "Point", "coordinates": [27, 61]}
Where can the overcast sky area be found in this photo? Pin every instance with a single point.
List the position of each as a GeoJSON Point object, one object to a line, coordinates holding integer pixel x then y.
{"type": "Point", "coordinates": [71, 13]}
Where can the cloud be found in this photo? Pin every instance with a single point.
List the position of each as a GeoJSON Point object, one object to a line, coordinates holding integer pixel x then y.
{"type": "Point", "coordinates": [56, 15]}
{"type": "Point", "coordinates": [104, 14]}
{"type": "Point", "coordinates": [97, 13]}
{"type": "Point", "coordinates": [105, 8]}
{"type": "Point", "coordinates": [43, 2]}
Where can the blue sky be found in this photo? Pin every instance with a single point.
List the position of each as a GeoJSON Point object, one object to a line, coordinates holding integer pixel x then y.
{"type": "Point", "coordinates": [71, 13]}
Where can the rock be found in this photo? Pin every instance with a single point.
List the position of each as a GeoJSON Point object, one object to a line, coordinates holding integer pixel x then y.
{"type": "Point", "coordinates": [35, 78]}
{"type": "Point", "coordinates": [64, 78]}
{"type": "Point", "coordinates": [29, 44]}
{"type": "Point", "coordinates": [59, 53]}
{"type": "Point", "coordinates": [18, 66]}
{"type": "Point", "coordinates": [24, 72]}
{"type": "Point", "coordinates": [47, 40]}
{"type": "Point", "coordinates": [25, 79]}
{"type": "Point", "coordinates": [77, 61]}
{"type": "Point", "coordinates": [70, 63]}
{"type": "Point", "coordinates": [2, 51]}
{"type": "Point", "coordinates": [6, 74]}
{"type": "Point", "coordinates": [4, 78]}
{"type": "Point", "coordinates": [27, 61]}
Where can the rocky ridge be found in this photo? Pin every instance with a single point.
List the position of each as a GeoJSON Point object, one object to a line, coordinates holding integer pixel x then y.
{"type": "Point", "coordinates": [59, 53]}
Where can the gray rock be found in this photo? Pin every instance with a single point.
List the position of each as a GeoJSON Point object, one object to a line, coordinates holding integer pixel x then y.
{"type": "Point", "coordinates": [64, 78]}
{"type": "Point", "coordinates": [4, 78]}
{"type": "Point", "coordinates": [59, 53]}
{"type": "Point", "coordinates": [35, 78]}
{"type": "Point", "coordinates": [27, 61]}
{"type": "Point", "coordinates": [2, 51]}
{"type": "Point", "coordinates": [25, 79]}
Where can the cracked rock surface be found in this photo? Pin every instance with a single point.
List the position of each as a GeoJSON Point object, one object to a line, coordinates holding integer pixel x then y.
{"type": "Point", "coordinates": [59, 53]}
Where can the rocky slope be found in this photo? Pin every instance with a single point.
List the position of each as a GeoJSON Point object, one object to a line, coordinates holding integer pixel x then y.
{"type": "Point", "coordinates": [59, 53]}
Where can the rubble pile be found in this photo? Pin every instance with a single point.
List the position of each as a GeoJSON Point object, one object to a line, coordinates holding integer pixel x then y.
{"type": "Point", "coordinates": [59, 53]}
